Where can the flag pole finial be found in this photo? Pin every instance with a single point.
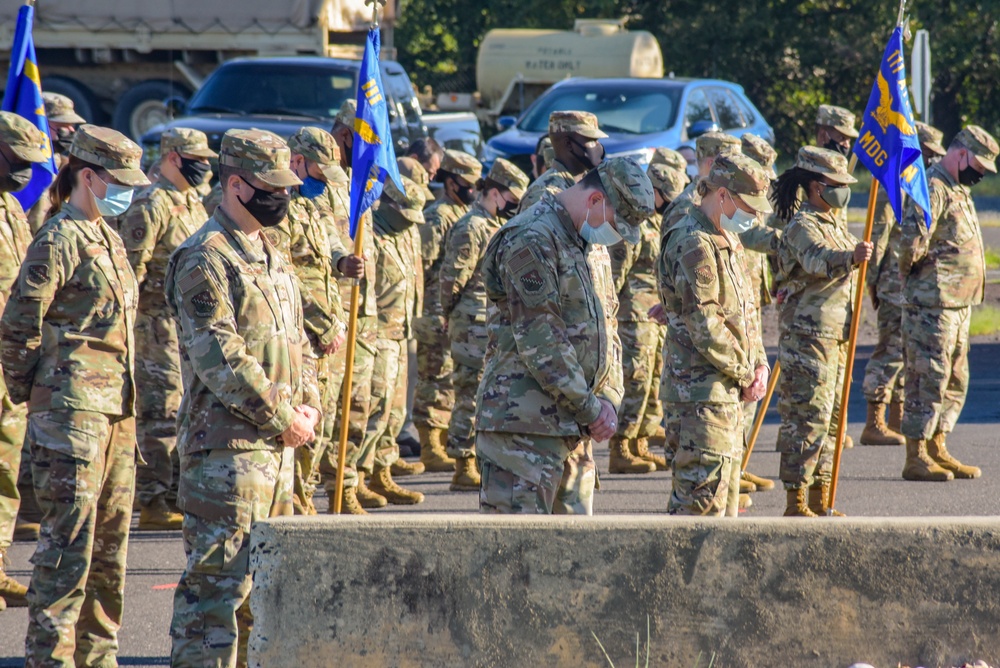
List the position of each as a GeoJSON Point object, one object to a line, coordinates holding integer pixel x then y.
{"type": "Point", "coordinates": [375, 7]}
{"type": "Point", "coordinates": [902, 11]}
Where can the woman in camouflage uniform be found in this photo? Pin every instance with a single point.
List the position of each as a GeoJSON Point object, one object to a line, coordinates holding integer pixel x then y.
{"type": "Point", "coordinates": [817, 258]}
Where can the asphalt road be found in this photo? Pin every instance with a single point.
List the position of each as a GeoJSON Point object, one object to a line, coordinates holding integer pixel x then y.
{"type": "Point", "coordinates": [870, 486]}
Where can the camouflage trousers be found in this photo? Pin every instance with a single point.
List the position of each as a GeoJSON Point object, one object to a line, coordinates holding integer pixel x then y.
{"type": "Point", "coordinates": [13, 422]}
{"type": "Point", "coordinates": [535, 475]}
{"type": "Point", "coordinates": [884, 372]}
{"type": "Point", "coordinates": [309, 456]}
{"type": "Point", "coordinates": [223, 494]}
{"type": "Point", "coordinates": [434, 397]}
{"type": "Point", "coordinates": [357, 425]}
{"type": "Point", "coordinates": [641, 411]}
{"type": "Point", "coordinates": [388, 407]}
{"type": "Point", "coordinates": [937, 369]}
{"type": "Point", "coordinates": [707, 441]}
{"type": "Point", "coordinates": [812, 377]}
{"type": "Point", "coordinates": [83, 467]}
{"type": "Point", "coordinates": [462, 426]}
{"type": "Point", "coordinates": [159, 388]}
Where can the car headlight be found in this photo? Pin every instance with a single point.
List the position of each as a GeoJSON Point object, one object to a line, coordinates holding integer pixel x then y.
{"type": "Point", "coordinates": [642, 156]}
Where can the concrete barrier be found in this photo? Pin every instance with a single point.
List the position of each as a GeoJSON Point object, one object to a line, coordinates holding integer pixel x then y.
{"type": "Point", "coordinates": [450, 590]}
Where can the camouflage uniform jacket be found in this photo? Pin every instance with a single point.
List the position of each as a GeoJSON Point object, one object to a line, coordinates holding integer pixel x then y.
{"type": "Point", "coordinates": [461, 285]}
{"type": "Point", "coordinates": [943, 266]}
{"type": "Point", "coordinates": [634, 268]}
{"type": "Point", "coordinates": [817, 261]}
{"type": "Point", "coordinates": [553, 347]}
{"type": "Point", "coordinates": [395, 287]}
{"type": "Point", "coordinates": [760, 242]}
{"type": "Point", "coordinates": [554, 180]}
{"type": "Point", "coordinates": [440, 217]}
{"type": "Point", "coordinates": [212, 199]}
{"type": "Point", "coordinates": [16, 236]}
{"type": "Point", "coordinates": [334, 208]}
{"type": "Point", "coordinates": [883, 270]}
{"type": "Point", "coordinates": [681, 205]}
{"type": "Point", "coordinates": [303, 240]}
{"type": "Point", "coordinates": [67, 329]}
{"type": "Point", "coordinates": [158, 221]}
{"type": "Point", "coordinates": [715, 343]}
{"type": "Point", "coordinates": [241, 330]}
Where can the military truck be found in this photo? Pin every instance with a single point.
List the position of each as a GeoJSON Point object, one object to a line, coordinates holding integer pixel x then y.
{"type": "Point", "coordinates": [119, 61]}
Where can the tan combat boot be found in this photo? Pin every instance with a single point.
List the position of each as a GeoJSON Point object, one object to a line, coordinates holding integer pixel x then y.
{"type": "Point", "coordinates": [640, 448]}
{"type": "Point", "coordinates": [848, 442]}
{"type": "Point", "coordinates": [659, 438]}
{"type": "Point", "coordinates": [876, 431]}
{"type": "Point", "coordinates": [819, 495]}
{"type": "Point", "coordinates": [11, 591]}
{"type": "Point", "coordinates": [762, 484]}
{"type": "Point", "coordinates": [349, 504]}
{"type": "Point", "coordinates": [920, 466]}
{"type": "Point", "coordinates": [383, 484]}
{"type": "Point", "coordinates": [622, 460]}
{"type": "Point", "coordinates": [796, 504]}
{"type": "Point", "coordinates": [157, 517]}
{"type": "Point", "coordinates": [433, 454]}
{"type": "Point", "coordinates": [745, 501]}
{"type": "Point", "coordinates": [466, 478]}
{"type": "Point", "coordinates": [366, 497]}
{"type": "Point", "coordinates": [747, 487]}
{"type": "Point", "coordinates": [896, 417]}
{"type": "Point", "coordinates": [939, 453]}
{"type": "Point", "coordinates": [402, 467]}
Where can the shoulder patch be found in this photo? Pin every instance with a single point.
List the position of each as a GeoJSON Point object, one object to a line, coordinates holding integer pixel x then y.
{"type": "Point", "coordinates": [703, 275]}
{"type": "Point", "coordinates": [521, 259]}
{"type": "Point", "coordinates": [532, 282]}
{"type": "Point", "coordinates": [191, 281]}
{"type": "Point", "coordinates": [138, 232]}
{"type": "Point", "coordinates": [694, 257]}
{"type": "Point", "coordinates": [204, 304]}
{"type": "Point", "coordinates": [36, 274]}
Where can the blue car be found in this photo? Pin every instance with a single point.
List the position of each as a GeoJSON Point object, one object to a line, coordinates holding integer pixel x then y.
{"type": "Point", "coordinates": [637, 114]}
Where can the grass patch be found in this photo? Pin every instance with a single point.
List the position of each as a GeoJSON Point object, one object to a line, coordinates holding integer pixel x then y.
{"type": "Point", "coordinates": [985, 320]}
{"type": "Point", "coordinates": [992, 259]}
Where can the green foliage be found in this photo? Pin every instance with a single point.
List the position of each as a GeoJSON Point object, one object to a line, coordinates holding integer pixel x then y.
{"type": "Point", "coordinates": [992, 259]}
{"type": "Point", "coordinates": [790, 55]}
{"type": "Point", "coordinates": [985, 320]}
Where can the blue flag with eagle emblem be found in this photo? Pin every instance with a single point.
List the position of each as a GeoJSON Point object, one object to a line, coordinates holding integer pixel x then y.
{"type": "Point", "coordinates": [23, 96]}
{"type": "Point", "coordinates": [373, 156]}
{"type": "Point", "coordinates": [888, 144]}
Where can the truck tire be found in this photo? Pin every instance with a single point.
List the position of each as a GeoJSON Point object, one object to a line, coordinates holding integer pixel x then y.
{"type": "Point", "coordinates": [141, 107]}
{"type": "Point", "coordinates": [84, 101]}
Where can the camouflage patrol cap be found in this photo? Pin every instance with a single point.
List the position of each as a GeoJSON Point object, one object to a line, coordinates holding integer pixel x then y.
{"type": "Point", "coordinates": [60, 109]}
{"type": "Point", "coordinates": [713, 144]}
{"type": "Point", "coordinates": [981, 143]}
{"type": "Point", "coordinates": [24, 139]}
{"type": "Point", "coordinates": [413, 170]}
{"type": "Point", "coordinates": [546, 151]}
{"type": "Point", "coordinates": [823, 161]}
{"type": "Point", "coordinates": [186, 141]}
{"type": "Point", "coordinates": [838, 118]}
{"type": "Point", "coordinates": [630, 193]}
{"type": "Point", "coordinates": [506, 174]}
{"type": "Point", "coordinates": [317, 146]}
{"type": "Point", "coordinates": [347, 113]}
{"type": "Point", "coordinates": [462, 165]}
{"type": "Point", "coordinates": [411, 201]}
{"type": "Point", "coordinates": [581, 123]}
{"type": "Point", "coordinates": [669, 181]}
{"type": "Point", "coordinates": [930, 138]}
{"type": "Point", "coordinates": [744, 177]}
{"type": "Point", "coordinates": [758, 149]}
{"type": "Point", "coordinates": [669, 157]}
{"type": "Point", "coordinates": [110, 149]}
{"type": "Point", "coordinates": [262, 153]}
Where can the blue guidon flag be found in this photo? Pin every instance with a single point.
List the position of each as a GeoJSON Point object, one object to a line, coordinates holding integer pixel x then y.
{"type": "Point", "coordinates": [888, 144]}
{"type": "Point", "coordinates": [373, 156]}
{"type": "Point", "coordinates": [23, 96]}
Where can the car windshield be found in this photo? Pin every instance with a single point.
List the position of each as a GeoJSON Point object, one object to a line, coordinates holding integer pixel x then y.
{"type": "Point", "coordinates": [280, 90]}
{"type": "Point", "coordinates": [627, 109]}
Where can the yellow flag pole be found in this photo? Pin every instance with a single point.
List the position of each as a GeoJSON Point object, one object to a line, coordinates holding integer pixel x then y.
{"type": "Point", "coordinates": [762, 407]}
{"type": "Point", "coordinates": [851, 344]}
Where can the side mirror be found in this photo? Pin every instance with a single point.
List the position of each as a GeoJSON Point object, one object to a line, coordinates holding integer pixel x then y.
{"type": "Point", "coordinates": [506, 122]}
{"type": "Point", "coordinates": [175, 105]}
{"type": "Point", "coordinates": [699, 128]}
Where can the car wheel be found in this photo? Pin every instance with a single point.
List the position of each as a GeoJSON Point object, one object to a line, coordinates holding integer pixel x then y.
{"type": "Point", "coordinates": [84, 101]}
{"type": "Point", "coordinates": [142, 107]}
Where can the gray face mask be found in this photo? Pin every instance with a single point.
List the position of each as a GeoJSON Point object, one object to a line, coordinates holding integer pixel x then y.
{"type": "Point", "coordinates": [836, 196]}
{"type": "Point", "coordinates": [605, 235]}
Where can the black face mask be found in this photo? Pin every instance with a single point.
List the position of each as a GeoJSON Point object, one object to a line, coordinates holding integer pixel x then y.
{"type": "Point", "coordinates": [64, 139]}
{"type": "Point", "coordinates": [465, 193]}
{"type": "Point", "coordinates": [17, 176]}
{"type": "Point", "coordinates": [508, 210]}
{"type": "Point", "coordinates": [194, 171]}
{"type": "Point", "coordinates": [267, 208]}
{"type": "Point", "coordinates": [842, 149]}
{"type": "Point", "coordinates": [969, 176]}
{"type": "Point", "coordinates": [588, 157]}
{"type": "Point", "coordinates": [663, 207]}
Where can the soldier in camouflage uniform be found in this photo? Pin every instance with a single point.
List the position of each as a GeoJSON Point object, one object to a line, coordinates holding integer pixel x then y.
{"type": "Point", "coordinates": [542, 158]}
{"type": "Point", "coordinates": [464, 305]}
{"type": "Point", "coordinates": [834, 131]}
{"type": "Point", "coordinates": [818, 257]}
{"type": "Point", "coordinates": [75, 286]}
{"type": "Point", "coordinates": [434, 397]}
{"type": "Point", "coordinates": [642, 337]}
{"type": "Point", "coordinates": [21, 144]}
{"type": "Point", "coordinates": [944, 276]}
{"type": "Point", "coordinates": [63, 121]}
{"type": "Point", "coordinates": [159, 220]}
{"type": "Point", "coordinates": [708, 147]}
{"type": "Point", "coordinates": [251, 398]}
{"type": "Point", "coordinates": [397, 295]}
{"type": "Point", "coordinates": [883, 383]}
{"type": "Point", "coordinates": [574, 136]}
{"type": "Point", "coordinates": [552, 379]}
{"type": "Point", "coordinates": [715, 355]}
{"type": "Point", "coordinates": [668, 157]}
